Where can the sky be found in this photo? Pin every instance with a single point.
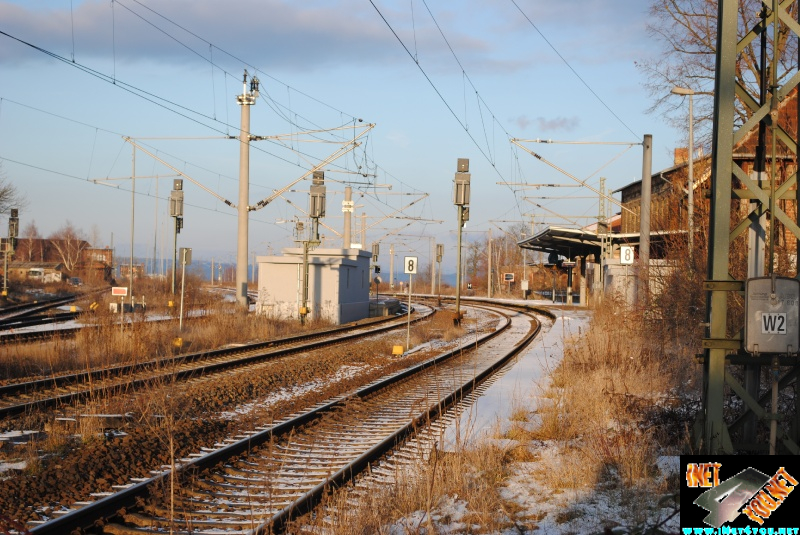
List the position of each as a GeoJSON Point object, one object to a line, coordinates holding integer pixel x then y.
{"type": "Point", "coordinates": [81, 82]}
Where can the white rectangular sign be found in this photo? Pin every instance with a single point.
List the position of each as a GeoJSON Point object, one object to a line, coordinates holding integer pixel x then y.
{"type": "Point", "coordinates": [410, 264]}
{"type": "Point", "coordinates": [626, 254]}
{"type": "Point", "coordinates": [773, 323]}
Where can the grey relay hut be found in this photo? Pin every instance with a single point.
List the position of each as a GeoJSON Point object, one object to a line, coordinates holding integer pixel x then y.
{"type": "Point", "coordinates": [338, 284]}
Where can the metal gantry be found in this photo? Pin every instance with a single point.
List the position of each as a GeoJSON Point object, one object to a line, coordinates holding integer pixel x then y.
{"type": "Point", "coordinates": [724, 356]}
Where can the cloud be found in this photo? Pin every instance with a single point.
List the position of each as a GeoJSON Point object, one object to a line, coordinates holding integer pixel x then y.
{"type": "Point", "coordinates": [565, 124]}
{"type": "Point", "coordinates": [522, 122]}
{"type": "Point", "coordinates": [269, 32]}
{"type": "Point", "coordinates": [557, 124]}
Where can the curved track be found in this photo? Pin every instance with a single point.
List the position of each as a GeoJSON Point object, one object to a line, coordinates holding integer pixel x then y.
{"type": "Point", "coordinates": [258, 483]}
{"type": "Point", "coordinates": [22, 397]}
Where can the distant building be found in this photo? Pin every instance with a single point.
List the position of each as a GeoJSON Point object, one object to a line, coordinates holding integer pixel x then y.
{"type": "Point", "coordinates": [669, 209]}
{"type": "Point", "coordinates": [125, 269]}
{"type": "Point", "coordinates": [77, 257]}
{"type": "Point", "coordinates": [43, 272]}
{"type": "Point", "coordinates": [97, 264]}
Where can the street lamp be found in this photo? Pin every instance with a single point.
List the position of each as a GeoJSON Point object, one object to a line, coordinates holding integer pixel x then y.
{"type": "Point", "coordinates": [690, 197]}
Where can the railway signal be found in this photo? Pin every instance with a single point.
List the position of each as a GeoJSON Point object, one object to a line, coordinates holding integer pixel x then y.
{"type": "Point", "coordinates": [13, 230]}
{"type": "Point", "coordinates": [176, 211]}
{"type": "Point", "coordinates": [461, 200]}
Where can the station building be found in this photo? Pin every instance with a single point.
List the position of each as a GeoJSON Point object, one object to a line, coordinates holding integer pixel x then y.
{"type": "Point", "coordinates": [598, 258]}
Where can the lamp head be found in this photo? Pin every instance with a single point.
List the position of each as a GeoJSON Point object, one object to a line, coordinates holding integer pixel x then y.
{"type": "Point", "coordinates": [681, 91]}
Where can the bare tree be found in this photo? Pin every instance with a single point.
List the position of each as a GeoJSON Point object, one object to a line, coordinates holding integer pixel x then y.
{"type": "Point", "coordinates": [30, 247]}
{"type": "Point", "coordinates": [687, 33]}
{"type": "Point", "coordinates": [68, 242]}
{"type": "Point", "coordinates": [9, 196]}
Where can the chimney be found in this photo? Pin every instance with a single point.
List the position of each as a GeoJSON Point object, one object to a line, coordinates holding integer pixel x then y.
{"type": "Point", "coordinates": [681, 155]}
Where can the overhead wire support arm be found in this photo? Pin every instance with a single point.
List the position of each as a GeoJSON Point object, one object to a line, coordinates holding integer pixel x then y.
{"type": "Point", "coordinates": [181, 173]}
{"type": "Point", "coordinates": [553, 212]}
{"type": "Point", "coordinates": [305, 213]}
{"type": "Point", "coordinates": [526, 185]}
{"type": "Point", "coordinates": [550, 141]}
{"type": "Point", "coordinates": [351, 145]}
{"type": "Point", "coordinates": [400, 210]}
{"type": "Point", "coordinates": [293, 135]}
{"type": "Point", "coordinates": [394, 232]}
{"type": "Point", "coordinates": [573, 177]}
{"type": "Point", "coordinates": [426, 220]}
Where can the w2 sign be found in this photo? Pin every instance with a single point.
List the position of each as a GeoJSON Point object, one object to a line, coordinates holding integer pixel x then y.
{"type": "Point", "coordinates": [773, 323]}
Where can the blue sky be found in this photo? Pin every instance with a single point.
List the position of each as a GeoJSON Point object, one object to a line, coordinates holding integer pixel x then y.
{"type": "Point", "coordinates": [467, 76]}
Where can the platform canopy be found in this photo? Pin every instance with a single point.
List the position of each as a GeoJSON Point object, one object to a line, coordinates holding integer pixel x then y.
{"type": "Point", "coordinates": [574, 242]}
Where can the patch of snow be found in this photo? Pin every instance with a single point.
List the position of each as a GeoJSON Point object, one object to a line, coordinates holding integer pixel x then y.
{"type": "Point", "coordinates": [521, 384]}
{"type": "Point", "coordinates": [669, 464]}
{"type": "Point", "coordinates": [345, 372]}
{"type": "Point", "coordinates": [6, 466]}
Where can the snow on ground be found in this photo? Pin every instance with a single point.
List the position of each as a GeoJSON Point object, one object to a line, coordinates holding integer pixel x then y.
{"type": "Point", "coordinates": [6, 466]}
{"type": "Point", "coordinates": [345, 372]}
{"type": "Point", "coordinates": [548, 506]}
{"type": "Point", "coordinates": [14, 437]}
{"type": "Point", "coordinates": [520, 385]}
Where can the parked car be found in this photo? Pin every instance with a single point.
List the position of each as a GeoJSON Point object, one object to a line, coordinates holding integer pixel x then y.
{"type": "Point", "coordinates": [75, 281]}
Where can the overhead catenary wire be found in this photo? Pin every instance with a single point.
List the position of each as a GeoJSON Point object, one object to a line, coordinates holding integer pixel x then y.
{"type": "Point", "coordinates": [436, 89]}
{"type": "Point", "coordinates": [194, 115]}
{"type": "Point", "coordinates": [165, 103]}
{"type": "Point", "coordinates": [578, 76]}
{"type": "Point", "coordinates": [573, 177]}
{"type": "Point", "coordinates": [219, 175]}
{"type": "Point", "coordinates": [114, 186]}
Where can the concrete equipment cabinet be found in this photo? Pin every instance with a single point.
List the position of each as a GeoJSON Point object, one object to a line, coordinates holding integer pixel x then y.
{"type": "Point", "coordinates": [772, 323]}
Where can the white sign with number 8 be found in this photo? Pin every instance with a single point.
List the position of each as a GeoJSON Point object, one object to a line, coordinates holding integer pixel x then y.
{"type": "Point", "coordinates": [626, 254]}
{"type": "Point", "coordinates": [410, 263]}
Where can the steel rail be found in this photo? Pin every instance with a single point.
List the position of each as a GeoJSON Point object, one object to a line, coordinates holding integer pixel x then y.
{"type": "Point", "coordinates": [117, 505]}
{"type": "Point", "coordinates": [18, 323]}
{"type": "Point", "coordinates": [226, 358]}
{"type": "Point", "coordinates": [26, 309]}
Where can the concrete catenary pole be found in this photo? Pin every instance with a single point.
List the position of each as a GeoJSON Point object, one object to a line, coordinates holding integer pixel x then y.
{"type": "Point", "coordinates": [245, 100]}
{"type": "Point", "coordinates": [133, 197]}
{"type": "Point", "coordinates": [363, 230]}
{"type": "Point", "coordinates": [489, 269]}
{"type": "Point", "coordinates": [433, 265]}
{"type": "Point", "coordinates": [347, 208]}
{"type": "Point", "coordinates": [644, 220]}
{"type": "Point", "coordinates": [391, 266]}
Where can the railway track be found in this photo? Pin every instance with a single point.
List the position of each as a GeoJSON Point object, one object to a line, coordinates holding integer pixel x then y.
{"type": "Point", "coordinates": [258, 482]}
{"type": "Point", "coordinates": [19, 323]}
{"type": "Point", "coordinates": [23, 397]}
{"type": "Point", "coordinates": [11, 313]}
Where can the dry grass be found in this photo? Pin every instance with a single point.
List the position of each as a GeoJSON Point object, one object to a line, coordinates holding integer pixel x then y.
{"type": "Point", "coordinates": [106, 344]}
{"type": "Point", "coordinates": [600, 411]}
{"type": "Point", "coordinates": [473, 476]}
{"type": "Point", "coordinates": [605, 402]}
{"type": "Point", "coordinates": [439, 327]}
{"type": "Point", "coordinates": [609, 393]}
